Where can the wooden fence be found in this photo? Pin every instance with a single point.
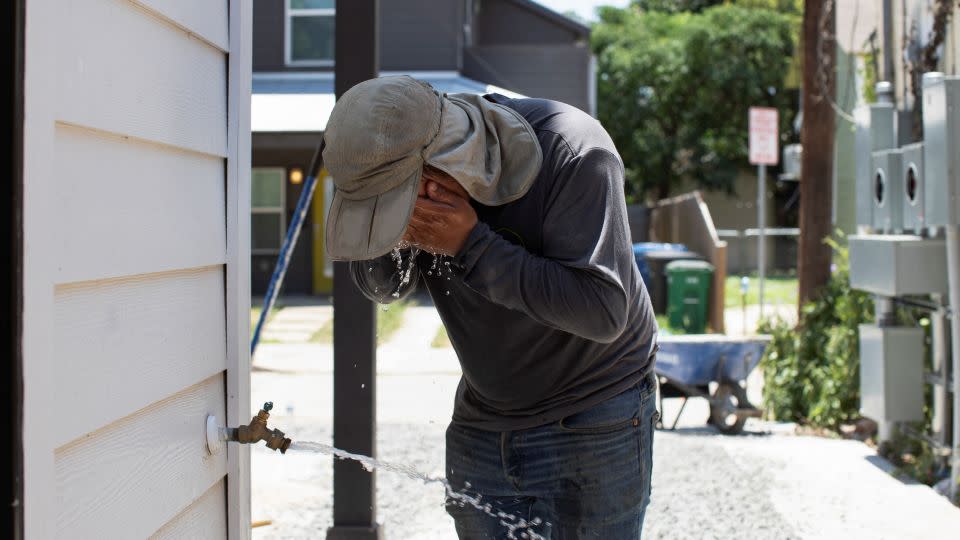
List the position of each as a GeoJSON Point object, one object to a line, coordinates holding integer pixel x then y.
{"type": "Point", "coordinates": [685, 219]}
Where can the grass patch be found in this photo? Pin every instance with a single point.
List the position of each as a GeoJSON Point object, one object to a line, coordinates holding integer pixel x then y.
{"type": "Point", "coordinates": [663, 322]}
{"type": "Point", "coordinates": [776, 290]}
{"type": "Point", "coordinates": [388, 322]}
{"type": "Point", "coordinates": [441, 340]}
{"type": "Point", "coordinates": [324, 334]}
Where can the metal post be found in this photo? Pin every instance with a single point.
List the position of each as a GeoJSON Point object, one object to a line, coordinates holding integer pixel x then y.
{"type": "Point", "coordinates": [762, 236]}
{"type": "Point", "coordinates": [941, 421]}
{"type": "Point", "coordinates": [953, 275]}
{"type": "Point", "coordinates": [888, 60]}
{"type": "Point", "coordinates": [885, 316]}
{"type": "Point", "coordinates": [354, 329]}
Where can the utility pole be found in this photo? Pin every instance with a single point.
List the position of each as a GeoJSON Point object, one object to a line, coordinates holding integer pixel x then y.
{"type": "Point", "coordinates": [817, 137]}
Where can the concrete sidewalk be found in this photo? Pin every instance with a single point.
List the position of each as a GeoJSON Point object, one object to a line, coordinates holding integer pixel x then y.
{"type": "Point", "coordinates": [297, 324]}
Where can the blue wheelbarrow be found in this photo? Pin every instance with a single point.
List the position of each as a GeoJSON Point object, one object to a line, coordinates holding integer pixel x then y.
{"type": "Point", "coordinates": [688, 365]}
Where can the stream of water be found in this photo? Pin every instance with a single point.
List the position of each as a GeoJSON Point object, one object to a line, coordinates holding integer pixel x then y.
{"type": "Point", "coordinates": [517, 527]}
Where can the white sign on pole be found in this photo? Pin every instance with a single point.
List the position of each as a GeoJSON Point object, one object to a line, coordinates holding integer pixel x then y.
{"type": "Point", "coordinates": [764, 146]}
{"type": "Point", "coordinates": [764, 150]}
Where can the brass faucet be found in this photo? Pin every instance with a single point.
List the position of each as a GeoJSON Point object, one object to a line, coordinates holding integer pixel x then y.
{"type": "Point", "coordinates": [257, 430]}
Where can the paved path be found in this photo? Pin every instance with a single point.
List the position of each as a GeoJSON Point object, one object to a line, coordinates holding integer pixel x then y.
{"type": "Point", "coordinates": [296, 324]}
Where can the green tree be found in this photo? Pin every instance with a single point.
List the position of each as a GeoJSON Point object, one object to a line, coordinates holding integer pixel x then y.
{"type": "Point", "coordinates": [675, 6]}
{"type": "Point", "coordinates": [794, 7]}
{"type": "Point", "coordinates": [674, 88]}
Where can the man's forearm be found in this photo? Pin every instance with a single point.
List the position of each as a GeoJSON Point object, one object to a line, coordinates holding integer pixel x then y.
{"type": "Point", "coordinates": [588, 302]}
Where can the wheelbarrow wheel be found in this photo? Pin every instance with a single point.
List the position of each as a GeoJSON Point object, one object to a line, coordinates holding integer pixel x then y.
{"type": "Point", "coordinates": [723, 408]}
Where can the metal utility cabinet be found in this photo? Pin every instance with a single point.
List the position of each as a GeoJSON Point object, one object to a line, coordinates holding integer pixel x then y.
{"type": "Point", "coordinates": [891, 373]}
{"type": "Point", "coordinates": [941, 150]}
{"type": "Point", "coordinates": [898, 265]}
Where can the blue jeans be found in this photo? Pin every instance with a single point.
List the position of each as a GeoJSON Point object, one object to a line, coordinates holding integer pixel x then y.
{"type": "Point", "coordinates": [586, 476]}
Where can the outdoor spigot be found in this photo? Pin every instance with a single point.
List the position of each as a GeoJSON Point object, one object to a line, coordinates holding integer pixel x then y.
{"type": "Point", "coordinates": [257, 430]}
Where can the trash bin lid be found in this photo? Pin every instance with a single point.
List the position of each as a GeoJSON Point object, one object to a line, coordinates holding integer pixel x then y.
{"type": "Point", "coordinates": [689, 265]}
{"type": "Point", "coordinates": [642, 247]}
{"type": "Point", "coordinates": [660, 255]}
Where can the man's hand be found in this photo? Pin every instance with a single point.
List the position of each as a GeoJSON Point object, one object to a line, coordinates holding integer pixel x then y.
{"type": "Point", "coordinates": [442, 219]}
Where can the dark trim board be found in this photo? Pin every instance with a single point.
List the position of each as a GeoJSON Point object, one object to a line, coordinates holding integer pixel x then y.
{"type": "Point", "coordinates": [11, 120]}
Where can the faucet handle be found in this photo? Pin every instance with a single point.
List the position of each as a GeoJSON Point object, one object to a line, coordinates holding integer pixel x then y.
{"type": "Point", "coordinates": [268, 406]}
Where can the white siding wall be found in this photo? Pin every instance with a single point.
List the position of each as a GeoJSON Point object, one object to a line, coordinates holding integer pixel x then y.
{"type": "Point", "coordinates": [135, 275]}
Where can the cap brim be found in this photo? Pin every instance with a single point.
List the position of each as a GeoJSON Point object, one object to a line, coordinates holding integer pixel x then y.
{"type": "Point", "coordinates": [366, 229]}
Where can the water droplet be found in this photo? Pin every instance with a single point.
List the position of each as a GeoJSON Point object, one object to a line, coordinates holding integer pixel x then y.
{"type": "Point", "coordinates": [448, 293]}
{"type": "Point", "coordinates": [363, 386]}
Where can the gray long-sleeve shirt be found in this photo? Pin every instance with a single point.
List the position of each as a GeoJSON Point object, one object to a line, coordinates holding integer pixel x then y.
{"type": "Point", "coordinates": [544, 304]}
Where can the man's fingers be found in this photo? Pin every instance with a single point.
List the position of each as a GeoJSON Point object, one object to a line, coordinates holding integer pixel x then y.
{"type": "Point", "coordinates": [432, 207]}
{"type": "Point", "coordinates": [439, 193]}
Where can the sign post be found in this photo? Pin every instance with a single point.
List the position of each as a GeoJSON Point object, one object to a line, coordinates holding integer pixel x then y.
{"type": "Point", "coordinates": [764, 150]}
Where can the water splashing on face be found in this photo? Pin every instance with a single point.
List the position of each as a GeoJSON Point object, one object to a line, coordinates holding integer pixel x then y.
{"type": "Point", "coordinates": [404, 274]}
{"type": "Point", "coordinates": [516, 526]}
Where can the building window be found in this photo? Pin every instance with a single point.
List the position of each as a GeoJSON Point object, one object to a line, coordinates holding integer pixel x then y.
{"type": "Point", "coordinates": [309, 32]}
{"type": "Point", "coordinates": [267, 202]}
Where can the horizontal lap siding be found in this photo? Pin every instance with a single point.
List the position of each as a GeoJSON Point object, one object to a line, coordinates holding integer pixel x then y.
{"type": "Point", "coordinates": [139, 210]}
{"type": "Point", "coordinates": [123, 344]}
{"type": "Point", "coordinates": [206, 518]}
{"type": "Point", "coordinates": [205, 18]}
{"type": "Point", "coordinates": [130, 207]}
{"type": "Point", "coordinates": [123, 70]}
{"type": "Point", "coordinates": [128, 479]}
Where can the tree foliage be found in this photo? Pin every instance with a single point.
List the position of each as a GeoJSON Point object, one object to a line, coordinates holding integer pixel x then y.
{"type": "Point", "coordinates": [674, 88]}
{"type": "Point", "coordinates": [794, 7]}
{"type": "Point", "coordinates": [675, 6]}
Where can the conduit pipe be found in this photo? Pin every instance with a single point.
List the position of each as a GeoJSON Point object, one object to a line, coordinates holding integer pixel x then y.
{"type": "Point", "coordinates": [953, 275]}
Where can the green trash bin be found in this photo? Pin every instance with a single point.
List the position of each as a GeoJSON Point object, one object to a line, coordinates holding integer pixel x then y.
{"type": "Point", "coordinates": [688, 293]}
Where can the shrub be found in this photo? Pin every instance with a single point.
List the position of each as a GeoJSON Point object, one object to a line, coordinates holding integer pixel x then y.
{"type": "Point", "coordinates": [812, 371]}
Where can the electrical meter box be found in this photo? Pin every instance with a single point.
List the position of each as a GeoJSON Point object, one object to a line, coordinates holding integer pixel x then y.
{"type": "Point", "coordinates": [898, 265]}
{"type": "Point", "coordinates": [891, 373]}
{"type": "Point", "coordinates": [888, 190]}
{"type": "Point", "coordinates": [911, 167]}
{"type": "Point", "coordinates": [876, 131]}
{"type": "Point", "coordinates": [941, 134]}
